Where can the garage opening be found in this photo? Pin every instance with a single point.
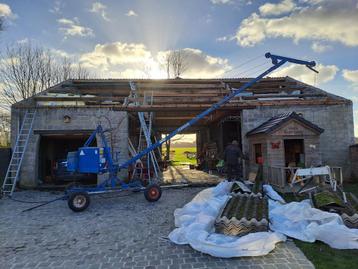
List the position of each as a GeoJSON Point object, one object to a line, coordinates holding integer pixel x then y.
{"type": "Point", "coordinates": [52, 159]}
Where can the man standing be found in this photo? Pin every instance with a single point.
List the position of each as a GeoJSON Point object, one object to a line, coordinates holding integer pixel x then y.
{"type": "Point", "coordinates": [232, 154]}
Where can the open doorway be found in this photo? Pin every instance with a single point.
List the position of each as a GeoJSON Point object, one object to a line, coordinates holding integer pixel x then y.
{"type": "Point", "coordinates": [294, 153]}
{"type": "Point", "coordinates": [53, 157]}
{"type": "Point", "coordinates": [231, 131]}
{"type": "Point", "coordinates": [181, 150]}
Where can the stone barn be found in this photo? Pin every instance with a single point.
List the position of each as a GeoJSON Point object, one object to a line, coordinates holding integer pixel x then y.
{"type": "Point", "coordinates": [280, 122]}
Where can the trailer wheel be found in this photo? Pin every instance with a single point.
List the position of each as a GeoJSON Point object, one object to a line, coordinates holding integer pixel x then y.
{"type": "Point", "coordinates": [78, 201]}
{"type": "Point", "coordinates": [153, 193]}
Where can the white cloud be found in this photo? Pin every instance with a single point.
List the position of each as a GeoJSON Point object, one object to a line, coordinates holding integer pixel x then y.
{"type": "Point", "coordinates": [98, 7]}
{"type": "Point", "coordinates": [23, 41]}
{"type": "Point", "coordinates": [199, 64]}
{"type": "Point", "coordinates": [57, 7]}
{"type": "Point", "coordinates": [119, 59]}
{"type": "Point", "coordinates": [312, 20]}
{"type": "Point", "coordinates": [5, 10]}
{"type": "Point", "coordinates": [222, 39]}
{"type": "Point", "coordinates": [270, 9]}
{"type": "Point", "coordinates": [350, 75]}
{"type": "Point", "coordinates": [225, 38]}
{"type": "Point", "coordinates": [130, 60]}
{"type": "Point", "coordinates": [320, 47]}
{"type": "Point", "coordinates": [302, 73]}
{"type": "Point", "coordinates": [131, 13]}
{"type": "Point", "coordinates": [220, 1]}
{"type": "Point", "coordinates": [73, 28]}
{"type": "Point", "coordinates": [61, 53]}
{"type": "Point", "coordinates": [120, 53]}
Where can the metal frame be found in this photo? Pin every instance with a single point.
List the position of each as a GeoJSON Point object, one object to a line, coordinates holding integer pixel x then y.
{"type": "Point", "coordinates": [277, 62]}
{"type": "Point", "coordinates": [305, 175]}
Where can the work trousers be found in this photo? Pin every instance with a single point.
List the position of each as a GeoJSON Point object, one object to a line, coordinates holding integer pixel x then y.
{"type": "Point", "coordinates": [232, 171]}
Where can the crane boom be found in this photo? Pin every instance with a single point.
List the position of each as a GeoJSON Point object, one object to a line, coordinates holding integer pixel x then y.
{"type": "Point", "coordinates": [277, 62]}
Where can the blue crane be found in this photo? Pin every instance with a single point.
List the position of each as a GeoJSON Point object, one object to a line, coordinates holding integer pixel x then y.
{"type": "Point", "coordinates": [99, 159]}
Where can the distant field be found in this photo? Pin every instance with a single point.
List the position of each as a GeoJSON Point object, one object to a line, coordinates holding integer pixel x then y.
{"type": "Point", "coordinates": [180, 158]}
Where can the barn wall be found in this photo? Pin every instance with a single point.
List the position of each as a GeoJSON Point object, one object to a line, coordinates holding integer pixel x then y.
{"type": "Point", "coordinates": [336, 120]}
{"type": "Point", "coordinates": [354, 160]}
{"type": "Point", "coordinates": [81, 119]}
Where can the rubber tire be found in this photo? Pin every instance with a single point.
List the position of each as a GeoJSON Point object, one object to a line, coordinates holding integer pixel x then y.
{"type": "Point", "coordinates": [72, 198]}
{"type": "Point", "coordinates": [153, 192]}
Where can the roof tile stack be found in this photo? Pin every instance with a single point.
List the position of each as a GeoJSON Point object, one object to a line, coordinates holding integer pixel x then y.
{"type": "Point", "coordinates": [243, 213]}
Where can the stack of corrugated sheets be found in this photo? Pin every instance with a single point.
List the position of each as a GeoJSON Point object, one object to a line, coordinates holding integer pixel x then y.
{"type": "Point", "coordinates": [243, 214]}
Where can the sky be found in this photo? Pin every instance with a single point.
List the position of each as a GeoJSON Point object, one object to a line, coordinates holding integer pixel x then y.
{"type": "Point", "coordinates": [222, 38]}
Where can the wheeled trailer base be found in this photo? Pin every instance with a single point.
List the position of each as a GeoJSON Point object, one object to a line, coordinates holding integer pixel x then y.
{"type": "Point", "coordinates": [79, 200]}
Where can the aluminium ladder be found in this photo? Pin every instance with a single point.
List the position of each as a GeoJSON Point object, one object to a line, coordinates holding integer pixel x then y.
{"type": "Point", "coordinates": [146, 128]}
{"type": "Point", "coordinates": [138, 167]}
{"type": "Point", "coordinates": [22, 141]}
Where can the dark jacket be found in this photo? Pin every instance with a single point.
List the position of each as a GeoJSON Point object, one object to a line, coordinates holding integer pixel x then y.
{"type": "Point", "coordinates": [232, 154]}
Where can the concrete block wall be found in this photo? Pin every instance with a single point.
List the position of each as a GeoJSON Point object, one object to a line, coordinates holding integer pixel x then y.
{"type": "Point", "coordinates": [81, 119]}
{"type": "Point", "coordinates": [354, 161]}
{"type": "Point", "coordinates": [336, 120]}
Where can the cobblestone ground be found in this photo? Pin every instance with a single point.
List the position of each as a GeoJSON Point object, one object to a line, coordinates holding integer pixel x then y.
{"type": "Point", "coordinates": [116, 232]}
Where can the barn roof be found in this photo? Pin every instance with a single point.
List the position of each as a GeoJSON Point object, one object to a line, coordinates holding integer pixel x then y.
{"type": "Point", "coordinates": [177, 93]}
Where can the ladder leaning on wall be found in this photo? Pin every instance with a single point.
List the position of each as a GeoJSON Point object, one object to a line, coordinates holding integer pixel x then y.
{"type": "Point", "coordinates": [22, 141]}
{"type": "Point", "coordinates": [145, 129]}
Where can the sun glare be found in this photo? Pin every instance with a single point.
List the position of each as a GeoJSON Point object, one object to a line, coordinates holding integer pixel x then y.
{"type": "Point", "coordinates": [156, 72]}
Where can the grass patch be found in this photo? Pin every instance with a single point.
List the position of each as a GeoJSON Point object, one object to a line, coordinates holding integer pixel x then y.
{"type": "Point", "coordinates": [325, 257]}
{"type": "Point", "coordinates": [322, 255]}
{"type": "Point", "coordinates": [180, 158]}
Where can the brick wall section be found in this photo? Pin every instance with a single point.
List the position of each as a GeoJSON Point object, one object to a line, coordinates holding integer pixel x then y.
{"type": "Point", "coordinates": [354, 161]}
{"type": "Point", "coordinates": [336, 120]}
{"type": "Point", "coordinates": [81, 119]}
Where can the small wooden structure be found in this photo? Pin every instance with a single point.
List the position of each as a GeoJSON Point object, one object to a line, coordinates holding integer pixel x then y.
{"type": "Point", "coordinates": [284, 143]}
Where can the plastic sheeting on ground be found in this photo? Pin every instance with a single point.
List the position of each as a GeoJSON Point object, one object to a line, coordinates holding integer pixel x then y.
{"type": "Point", "coordinates": [195, 222]}
{"type": "Point", "coordinates": [302, 221]}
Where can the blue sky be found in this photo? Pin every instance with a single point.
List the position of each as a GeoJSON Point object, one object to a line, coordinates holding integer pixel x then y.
{"type": "Point", "coordinates": [130, 38]}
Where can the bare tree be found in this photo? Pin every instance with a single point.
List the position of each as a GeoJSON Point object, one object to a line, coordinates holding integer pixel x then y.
{"type": "Point", "coordinates": [176, 63]}
{"type": "Point", "coordinates": [4, 130]}
{"type": "Point", "coordinates": [26, 70]}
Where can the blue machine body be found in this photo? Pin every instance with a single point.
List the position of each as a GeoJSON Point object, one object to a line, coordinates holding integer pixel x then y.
{"type": "Point", "coordinates": [87, 160]}
{"type": "Point", "coordinates": [72, 161]}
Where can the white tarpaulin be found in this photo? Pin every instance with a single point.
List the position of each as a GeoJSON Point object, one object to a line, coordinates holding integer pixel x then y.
{"type": "Point", "coordinates": [302, 221]}
{"type": "Point", "coordinates": [195, 222]}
